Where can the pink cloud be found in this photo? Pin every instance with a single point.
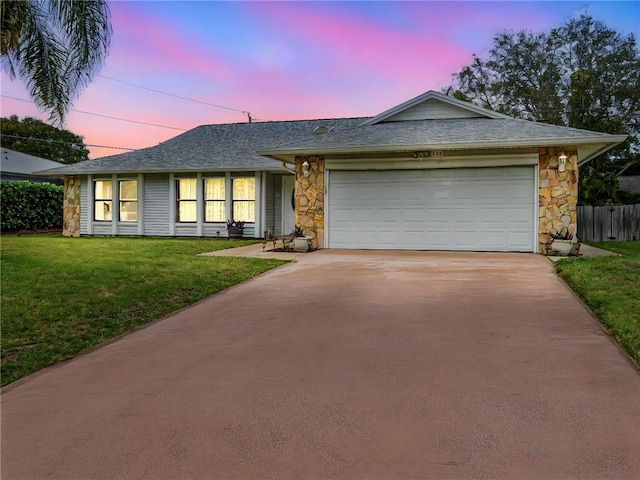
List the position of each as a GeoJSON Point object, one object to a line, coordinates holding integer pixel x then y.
{"type": "Point", "coordinates": [356, 44]}
{"type": "Point", "coordinates": [144, 43]}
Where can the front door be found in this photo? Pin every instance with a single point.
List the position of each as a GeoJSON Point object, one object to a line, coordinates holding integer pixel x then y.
{"type": "Point", "coordinates": [288, 221]}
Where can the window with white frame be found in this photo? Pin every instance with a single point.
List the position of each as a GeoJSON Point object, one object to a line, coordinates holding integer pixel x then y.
{"type": "Point", "coordinates": [244, 199]}
{"type": "Point", "coordinates": [214, 200]}
{"type": "Point", "coordinates": [128, 197]}
{"type": "Point", "coordinates": [186, 194]}
{"type": "Point", "coordinates": [102, 200]}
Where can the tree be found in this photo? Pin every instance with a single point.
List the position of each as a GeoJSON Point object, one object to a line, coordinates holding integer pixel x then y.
{"type": "Point", "coordinates": [36, 137]}
{"type": "Point", "coordinates": [582, 74]}
{"type": "Point", "coordinates": [55, 47]}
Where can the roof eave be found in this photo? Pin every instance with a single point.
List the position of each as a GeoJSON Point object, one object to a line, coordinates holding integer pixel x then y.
{"type": "Point", "coordinates": [609, 142]}
{"type": "Point", "coordinates": [277, 168]}
{"type": "Point", "coordinates": [602, 150]}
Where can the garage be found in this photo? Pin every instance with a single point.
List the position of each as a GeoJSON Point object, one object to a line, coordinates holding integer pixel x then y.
{"type": "Point", "coordinates": [475, 209]}
{"type": "Point", "coordinates": [438, 173]}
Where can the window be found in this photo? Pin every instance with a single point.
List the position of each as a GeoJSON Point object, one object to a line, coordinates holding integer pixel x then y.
{"type": "Point", "coordinates": [128, 200]}
{"type": "Point", "coordinates": [214, 200]}
{"type": "Point", "coordinates": [244, 199]}
{"type": "Point", "coordinates": [103, 200]}
{"type": "Point", "coordinates": [186, 210]}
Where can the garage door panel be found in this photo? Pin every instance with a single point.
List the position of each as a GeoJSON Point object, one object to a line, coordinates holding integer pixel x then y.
{"type": "Point", "coordinates": [341, 215]}
{"type": "Point", "coordinates": [437, 192]}
{"type": "Point", "coordinates": [519, 240]}
{"type": "Point", "coordinates": [390, 215]}
{"type": "Point", "coordinates": [483, 209]}
{"type": "Point", "coordinates": [514, 216]}
{"type": "Point", "coordinates": [438, 214]}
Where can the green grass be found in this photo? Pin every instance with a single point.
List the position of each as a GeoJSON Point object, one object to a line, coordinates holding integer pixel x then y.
{"type": "Point", "coordinates": [610, 286]}
{"type": "Point", "coordinates": [61, 296]}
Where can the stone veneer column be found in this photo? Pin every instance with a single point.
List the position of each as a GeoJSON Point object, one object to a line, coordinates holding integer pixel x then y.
{"type": "Point", "coordinates": [557, 194]}
{"type": "Point", "coordinates": [71, 207]}
{"type": "Point", "coordinates": [309, 198]}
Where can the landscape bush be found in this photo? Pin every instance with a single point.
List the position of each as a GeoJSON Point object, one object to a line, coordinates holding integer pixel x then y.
{"type": "Point", "coordinates": [30, 206]}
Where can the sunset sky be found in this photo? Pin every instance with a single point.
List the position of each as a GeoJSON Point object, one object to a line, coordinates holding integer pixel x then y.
{"type": "Point", "coordinates": [286, 60]}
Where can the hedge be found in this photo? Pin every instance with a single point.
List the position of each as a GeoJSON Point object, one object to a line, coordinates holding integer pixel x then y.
{"type": "Point", "coordinates": [30, 206]}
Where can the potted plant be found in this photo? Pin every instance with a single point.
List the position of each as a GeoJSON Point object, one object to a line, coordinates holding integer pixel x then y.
{"type": "Point", "coordinates": [301, 242]}
{"type": "Point", "coordinates": [564, 243]}
{"type": "Point", "coordinates": [235, 228]}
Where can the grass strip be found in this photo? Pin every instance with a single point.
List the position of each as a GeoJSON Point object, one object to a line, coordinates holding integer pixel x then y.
{"type": "Point", "coordinates": [610, 286]}
{"type": "Point", "coordinates": [61, 295]}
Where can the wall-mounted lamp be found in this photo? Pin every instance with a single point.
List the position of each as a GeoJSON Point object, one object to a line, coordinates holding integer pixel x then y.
{"type": "Point", "coordinates": [305, 168]}
{"type": "Point", "coordinates": [562, 162]}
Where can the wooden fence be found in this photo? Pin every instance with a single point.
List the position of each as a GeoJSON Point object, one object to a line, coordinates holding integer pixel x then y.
{"type": "Point", "coordinates": [609, 224]}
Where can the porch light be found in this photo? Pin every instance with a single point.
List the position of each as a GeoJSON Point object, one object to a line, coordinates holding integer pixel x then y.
{"type": "Point", "coordinates": [305, 168]}
{"type": "Point", "coordinates": [562, 162]}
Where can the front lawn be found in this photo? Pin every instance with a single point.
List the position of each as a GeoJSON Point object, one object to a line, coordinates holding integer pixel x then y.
{"type": "Point", "coordinates": [63, 295]}
{"type": "Point", "coordinates": [610, 286]}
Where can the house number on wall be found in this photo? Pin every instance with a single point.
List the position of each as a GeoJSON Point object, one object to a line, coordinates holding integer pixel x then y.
{"type": "Point", "coordinates": [437, 154]}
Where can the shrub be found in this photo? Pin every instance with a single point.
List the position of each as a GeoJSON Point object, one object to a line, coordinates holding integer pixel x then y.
{"type": "Point", "coordinates": [30, 206]}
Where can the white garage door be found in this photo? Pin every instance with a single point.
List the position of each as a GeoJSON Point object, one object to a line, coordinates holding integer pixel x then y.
{"type": "Point", "coordinates": [476, 209]}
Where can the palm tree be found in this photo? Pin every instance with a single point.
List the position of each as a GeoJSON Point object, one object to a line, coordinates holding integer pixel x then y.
{"type": "Point", "coordinates": [55, 47]}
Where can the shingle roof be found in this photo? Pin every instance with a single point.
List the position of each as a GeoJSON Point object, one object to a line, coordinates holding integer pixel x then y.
{"type": "Point", "coordinates": [224, 147]}
{"type": "Point", "coordinates": [441, 133]}
{"type": "Point", "coordinates": [630, 183]}
{"type": "Point", "coordinates": [12, 161]}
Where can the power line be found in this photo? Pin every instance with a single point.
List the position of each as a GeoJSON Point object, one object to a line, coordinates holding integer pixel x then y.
{"type": "Point", "coordinates": [244, 112]}
{"type": "Point", "coordinates": [73, 144]}
{"type": "Point", "coordinates": [106, 116]}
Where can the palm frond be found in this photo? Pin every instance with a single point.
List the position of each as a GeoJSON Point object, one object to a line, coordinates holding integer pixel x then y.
{"type": "Point", "coordinates": [55, 47]}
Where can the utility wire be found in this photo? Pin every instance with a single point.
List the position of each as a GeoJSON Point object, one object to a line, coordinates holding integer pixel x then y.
{"type": "Point", "coordinates": [73, 144]}
{"type": "Point", "coordinates": [105, 116]}
{"type": "Point", "coordinates": [244, 112]}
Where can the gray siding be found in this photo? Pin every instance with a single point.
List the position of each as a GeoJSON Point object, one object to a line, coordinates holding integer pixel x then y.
{"type": "Point", "coordinates": [214, 230]}
{"type": "Point", "coordinates": [85, 208]}
{"type": "Point", "coordinates": [156, 204]}
{"type": "Point", "coordinates": [277, 206]}
{"type": "Point", "coordinates": [269, 206]}
{"type": "Point", "coordinates": [186, 230]}
{"type": "Point", "coordinates": [432, 110]}
{"type": "Point", "coordinates": [273, 219]}
{"type": "Point", "coordinates": [127, 228]}
{"type": "Point", "coordinates": [102, 228]}
{"type": "Point", "coordinates": [155, 193]}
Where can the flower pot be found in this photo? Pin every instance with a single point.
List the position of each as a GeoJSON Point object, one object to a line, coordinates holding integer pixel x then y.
{"type": "Point", "coordinates": [234, 232]}
{"type": "Point", "coordinates": [301, 244]}
{"type": "Point", "coordinates": [561, 248]}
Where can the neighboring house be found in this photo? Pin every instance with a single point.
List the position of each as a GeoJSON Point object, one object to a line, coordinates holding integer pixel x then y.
{"type": "Point", "coordinates": [16, 166]}
{"type": "Point", "coordinates": [629, 178]}
{"type": "Point", "coordinates": [433, 173]}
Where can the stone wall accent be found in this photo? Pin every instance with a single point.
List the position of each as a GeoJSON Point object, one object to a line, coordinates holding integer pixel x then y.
{"type": "Point", "coordinates": [557, 195]}
{"type": "Point", "coordinates": [309, 198]}
{"type": "Point", "coordinates": [71, 207]}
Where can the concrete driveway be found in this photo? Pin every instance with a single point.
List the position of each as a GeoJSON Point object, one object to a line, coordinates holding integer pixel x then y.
{"type": "Point", "coordinates": [345, 365]}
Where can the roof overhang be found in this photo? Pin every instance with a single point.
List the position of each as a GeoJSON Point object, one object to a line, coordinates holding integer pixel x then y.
{"type": "Point", "coordinates": [589, 147]}
{"type": "Point", "coordinates": [68, 173]}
